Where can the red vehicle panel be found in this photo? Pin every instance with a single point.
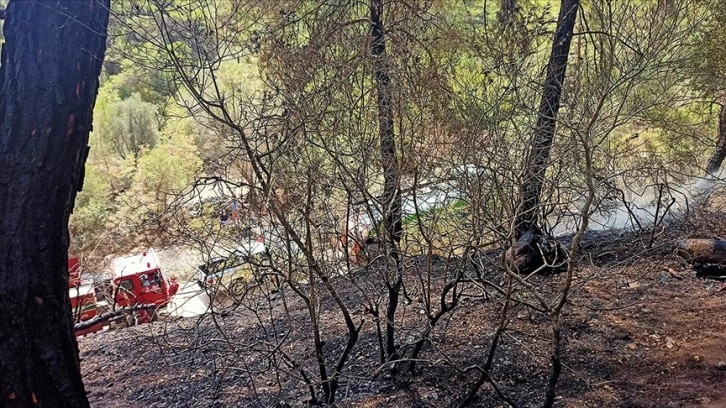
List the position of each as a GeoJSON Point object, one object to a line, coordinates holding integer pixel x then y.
{"type": "Point", "coordinates": [83, 307]}
{"type": "Point", "coordinates": [138, 279]}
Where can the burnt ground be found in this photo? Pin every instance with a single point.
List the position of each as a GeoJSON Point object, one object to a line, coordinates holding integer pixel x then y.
{"type": "Point", "coordinates": [640, 330]}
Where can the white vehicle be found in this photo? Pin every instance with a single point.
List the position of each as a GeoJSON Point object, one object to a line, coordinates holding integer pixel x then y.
{"type": "Point", "coordinates": [230, 273]}
{"type": "Point", "coordinates": [189, 301]}
{"type": "Point", "coordinates": [427, 198]}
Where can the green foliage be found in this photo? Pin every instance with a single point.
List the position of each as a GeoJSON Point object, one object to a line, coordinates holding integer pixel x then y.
{"type": "Point", "coordinates": [297, 77]}
{"type": "Point", "coordinates": [161, 173]}
{"type": "Point", "coordinates": [151, 86]}
{"type": "Point", "coordinates": [127, 125]}
{"type": "Point", "coordinates": [92, 208]}
{"type": "Point", "coordinates": [710, 62]}
{"type": "Point", "coordinates": [134, 169]}
{"type": "Point", "coordinates": [170, 166]}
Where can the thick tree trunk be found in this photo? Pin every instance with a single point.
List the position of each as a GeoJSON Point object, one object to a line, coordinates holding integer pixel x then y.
{"type": "Point", "coordinates": [391, 172]}
{"type": "Point", "coordinates": [719, 153]}
{"type": "Point", "coordinates": [507, 8]}
{"type": "Point", "coordinates": [539, 156]}
{"type": "Point", "coordinates": [51, 61]}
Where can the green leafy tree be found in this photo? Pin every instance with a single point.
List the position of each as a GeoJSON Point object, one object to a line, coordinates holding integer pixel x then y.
{"type": "Point", "coordinates": [93, 207]}
{"type": "Point", "coordinates": [711, 77]}
{"type": "Point", "coordinates": [161, 174]}
{"type": "Point", "coordinates": [132, 80]}
{"type": "Point", "coordinates": [127, 125]}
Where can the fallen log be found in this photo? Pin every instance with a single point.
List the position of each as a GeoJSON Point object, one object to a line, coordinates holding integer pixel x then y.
{"type": "Point", "coordinates": [703, 251]}
{"type": "Point", "coordinates": [104, 317]}
{"type": "Point", "coordinates": [706, 256]}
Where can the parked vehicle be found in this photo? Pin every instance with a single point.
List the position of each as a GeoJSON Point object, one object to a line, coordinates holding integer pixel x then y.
{"type": "Point", "coordinates": [139, 280]}
{"type": "Point", "coordinates": [229, 273]}
{"type": "Point", "coordinates": [360, 228]}
{"type": "Point", "coordinates": [82, 295]}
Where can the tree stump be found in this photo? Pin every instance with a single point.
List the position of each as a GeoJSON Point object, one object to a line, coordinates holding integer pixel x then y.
{"type": "Point", "coordinates": [532, 251]}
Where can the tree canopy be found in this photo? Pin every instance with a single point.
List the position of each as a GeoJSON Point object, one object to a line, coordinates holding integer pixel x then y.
{"type": "Point", "coordinates": [377, 132]}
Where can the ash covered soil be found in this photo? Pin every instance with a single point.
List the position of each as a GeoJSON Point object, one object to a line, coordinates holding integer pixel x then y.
{"type": "Point", "coordinates": [640, 329]}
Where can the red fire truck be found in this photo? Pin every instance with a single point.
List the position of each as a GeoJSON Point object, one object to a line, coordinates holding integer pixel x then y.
{"type": "Point", "coordinates": [138, 280]}
{"type": "Point", "coordinates": [83, 298]}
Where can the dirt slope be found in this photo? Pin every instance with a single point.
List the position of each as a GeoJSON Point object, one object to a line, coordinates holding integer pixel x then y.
{"type": "Point", "coordinates": [641, 330]}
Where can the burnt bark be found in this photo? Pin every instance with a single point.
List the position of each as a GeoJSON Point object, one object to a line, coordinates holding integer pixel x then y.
{"type": "Point", "coordinates": [556, 364]}
{"type": "Point", "coordinates": [719, 153]}
{"type": "Point", "coordinates": [51, 61]}
{"type": "Point", "coordinates": [507, 9]}
{"type": "Point", "coordinates": [393, 228]}
{"type": "Point", "coordinates": [544, 132]}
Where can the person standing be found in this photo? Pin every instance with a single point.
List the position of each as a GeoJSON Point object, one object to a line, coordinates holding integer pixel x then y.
{"type": "Point", "coordinates": [235, 207]}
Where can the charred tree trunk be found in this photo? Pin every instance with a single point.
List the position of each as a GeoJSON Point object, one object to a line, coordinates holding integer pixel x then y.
{"type": "Point", "coordinates": [51, 61]}
{"type": "Point", "coordinates": [539, 156]}
{"type": "Point", "coordinates": [719, 153]}
{"type": "Point", "coordinates": [507, 9]}
{"type": "Point", "coordinates": [393, 229]}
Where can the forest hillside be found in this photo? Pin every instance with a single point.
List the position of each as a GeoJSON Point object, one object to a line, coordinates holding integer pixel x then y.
{"type": "Point", "coordinates": [394, 203]}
